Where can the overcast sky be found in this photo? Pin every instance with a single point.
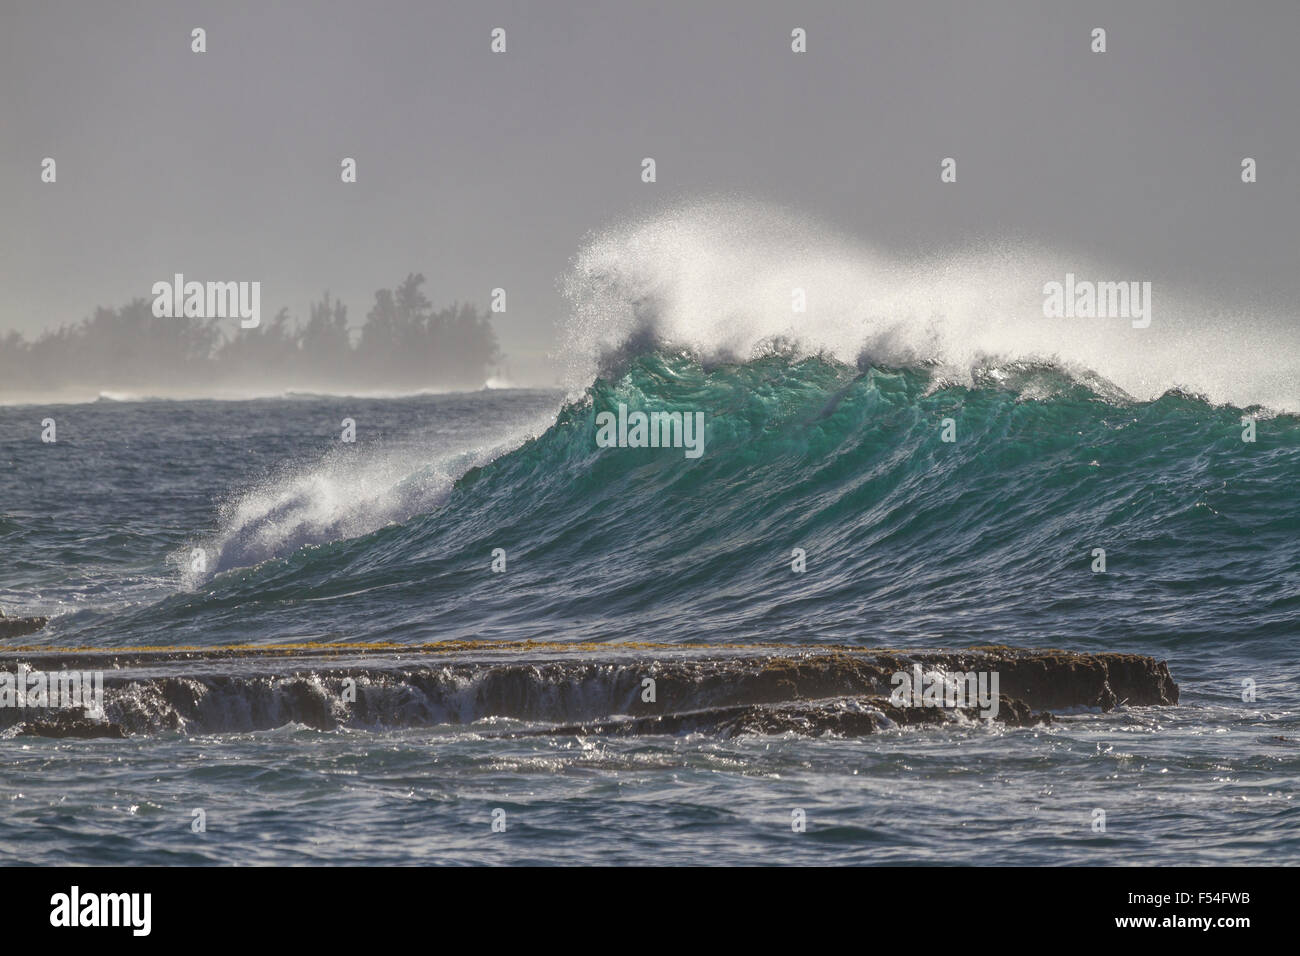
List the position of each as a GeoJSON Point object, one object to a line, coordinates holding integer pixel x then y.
{"type": "Point", "coordinates": [485, 170]}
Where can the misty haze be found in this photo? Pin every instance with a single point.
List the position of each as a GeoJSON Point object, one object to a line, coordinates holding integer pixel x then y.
{"type": "Point", "coordinates": [404, 345]}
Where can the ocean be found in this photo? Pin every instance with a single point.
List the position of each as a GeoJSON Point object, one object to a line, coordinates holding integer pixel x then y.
{"type": "Point", "coordinates": [498, 587]}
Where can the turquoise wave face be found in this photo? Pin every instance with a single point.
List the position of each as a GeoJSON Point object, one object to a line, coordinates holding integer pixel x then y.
{"type": "Point", "coordinates": [903, 538]}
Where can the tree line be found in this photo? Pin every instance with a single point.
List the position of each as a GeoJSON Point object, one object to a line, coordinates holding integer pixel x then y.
{"type": "Point", "coordinates": [405, 344]}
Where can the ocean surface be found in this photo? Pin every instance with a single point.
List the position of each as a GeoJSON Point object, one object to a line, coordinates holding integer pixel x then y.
{"type": "Point", "coordinates": [206, 524]}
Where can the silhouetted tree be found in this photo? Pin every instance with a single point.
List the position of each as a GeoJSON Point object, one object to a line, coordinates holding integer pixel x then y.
{"type": "Point", "coordinates": [404, 343]}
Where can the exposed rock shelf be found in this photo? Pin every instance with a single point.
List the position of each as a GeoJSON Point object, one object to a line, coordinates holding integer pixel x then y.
{"type": "Point", "coordinates": [557, 688]}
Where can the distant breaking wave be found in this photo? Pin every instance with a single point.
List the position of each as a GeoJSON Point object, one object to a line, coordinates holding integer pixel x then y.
{"type": "Point", "coordinates": [72, 395]}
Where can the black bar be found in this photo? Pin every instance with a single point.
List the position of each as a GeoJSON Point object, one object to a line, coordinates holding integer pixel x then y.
{"type": "Point", "coordinates": [934, 906]}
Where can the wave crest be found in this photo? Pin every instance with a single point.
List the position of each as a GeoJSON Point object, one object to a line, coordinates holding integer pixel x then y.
{"type": "Point", "coordinates": [720, 279]}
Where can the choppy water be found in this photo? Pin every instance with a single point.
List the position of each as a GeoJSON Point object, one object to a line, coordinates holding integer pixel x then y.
{"type": "Point", "coordinates": [911, 543]}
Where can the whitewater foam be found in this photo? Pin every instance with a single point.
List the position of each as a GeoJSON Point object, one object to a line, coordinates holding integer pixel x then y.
{"type": "Point", "coordinates": [350, 491]}
{"type": "Point", "coordinates": [718, 278]}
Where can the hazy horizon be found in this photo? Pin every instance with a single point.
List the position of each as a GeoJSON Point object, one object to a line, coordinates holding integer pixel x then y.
{"type": "Point", "coordinates": [492, 170]}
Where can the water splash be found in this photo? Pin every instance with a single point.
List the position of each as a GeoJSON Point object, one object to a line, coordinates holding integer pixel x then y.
{"type": "Point", "coordinates": [718, 278]}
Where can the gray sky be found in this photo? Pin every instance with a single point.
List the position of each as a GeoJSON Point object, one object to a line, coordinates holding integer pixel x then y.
{"type": "Point", "coordinates": [485, 170]}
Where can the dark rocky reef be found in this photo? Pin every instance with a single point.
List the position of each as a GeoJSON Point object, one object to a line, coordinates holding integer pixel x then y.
{"type": "Point", "coordinates": [70, 725]}
{"type": "Point", "coordinates": [567, 689]}
{"type": "Point", "coordinates": [1041, 679]}
{"type": "Point", "coordinates": [18, 626]}
{"type": "Point", "coordinates": [841, 717]}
